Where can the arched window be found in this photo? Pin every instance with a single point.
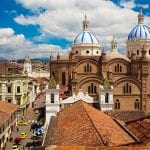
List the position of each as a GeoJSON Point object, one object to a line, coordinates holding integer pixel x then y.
{"type": "Point", "coordinates": [92, 89]}
{"type": "Point", "coordinates": [106, 98]}
{"type": "Point", "coordinates": [76, 52]}
{"type": "Point", "coordinates": [138, 52]}
{"type": "Point", "coordinates": [137, 104]}
{"type": "Point", "coordinates": [88, 68]}
{"type": "Point", "coordinates": [63, 78]}
{"type": "Point", "coordinates": [127, 88]}
{"type": "Point", "coordinates": [117, 104]}
{"type": "Point", "coordinates": [149, 52]}
{"type": "Point", "coordinates": [118, 68]}
{"type": "Point", "coordinates": [52, 97]}
{"type": "Point", "coordinates": [53, 75]}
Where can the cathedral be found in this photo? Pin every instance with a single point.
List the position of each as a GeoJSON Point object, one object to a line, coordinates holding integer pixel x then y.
{"type": "Point", "coordinates": [126, 79]}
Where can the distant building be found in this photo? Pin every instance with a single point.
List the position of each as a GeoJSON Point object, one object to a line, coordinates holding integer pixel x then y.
{"type": "Point", "coordinates": [35, 71]}
{"type": "Point", "coordinates": [8, 118]}
{"type": "Point", "coordinates": [10, 68]}
{"type": "Point", "coordinates": [87, 66]}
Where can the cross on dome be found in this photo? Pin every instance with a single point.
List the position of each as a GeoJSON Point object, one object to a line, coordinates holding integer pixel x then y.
{"type": "Point", "coordinates": [85, 24]}
{"type": "Point", "coordinates": [140, 17]}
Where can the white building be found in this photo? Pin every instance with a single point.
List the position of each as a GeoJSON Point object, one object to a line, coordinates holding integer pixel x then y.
{"type": "Point", "coordinates": [105, 97]}
{"type": "Point", "coordinates": [52, 103]}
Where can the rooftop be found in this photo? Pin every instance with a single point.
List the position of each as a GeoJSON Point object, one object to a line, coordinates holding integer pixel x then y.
{"type": "Point", "coordinates": [8, 107]}
{"type": "Point", "coordinates": [3, 117]}
{"type": "Point", "coordinates": [80, 124]}
{"type": "Point", "coordinates": [125, 115]}
{"type": "Point", "coordinates": [141, 128]}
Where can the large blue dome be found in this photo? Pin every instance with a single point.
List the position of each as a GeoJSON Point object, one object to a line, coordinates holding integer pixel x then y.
{"type": "Point", "coordinates": [140, 31]}
{"type": "Point", "coordinates": [86, 37]}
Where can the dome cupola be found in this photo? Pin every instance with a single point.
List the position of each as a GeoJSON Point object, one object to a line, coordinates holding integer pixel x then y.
{"type": "Point", "coordinates": [114, 54]}
{"type": "Point", "coordinates": [139, 37]}
{"type": "Point", "coordinates": [85, 43]}
{"type": "Point", "coordinates": [86, 37]}
{"type": "Point", "coordinates": [140, 31]}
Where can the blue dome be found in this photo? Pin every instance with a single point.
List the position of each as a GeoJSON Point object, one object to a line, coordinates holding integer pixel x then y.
{"type": "Point", "coordinates": [86, 37]}
{"type": "Point", "coordinates": [140, 31]}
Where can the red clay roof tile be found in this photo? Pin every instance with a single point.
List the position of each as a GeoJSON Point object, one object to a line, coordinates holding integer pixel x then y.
{"type": "Point", "coordinates": [80, 124]}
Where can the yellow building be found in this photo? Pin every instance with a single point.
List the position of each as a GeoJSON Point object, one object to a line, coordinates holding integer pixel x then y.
{"type": "Point", "coordinates": [14, 89]}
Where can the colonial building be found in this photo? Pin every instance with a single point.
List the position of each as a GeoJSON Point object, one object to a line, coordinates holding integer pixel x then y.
{"type": "Point", "coordinates": [88, 67]}
{"type": "Point", "coordinates": [8, 119]}
{"type": "Point", "coordinates": [14, 89]}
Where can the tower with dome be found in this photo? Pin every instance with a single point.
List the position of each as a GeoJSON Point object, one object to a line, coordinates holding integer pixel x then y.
{"type": "Point", "coordinates": [89, 68]}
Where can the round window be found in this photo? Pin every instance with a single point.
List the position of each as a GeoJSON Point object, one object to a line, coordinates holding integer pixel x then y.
{"type": "Point", "coordinates": [87, 52]}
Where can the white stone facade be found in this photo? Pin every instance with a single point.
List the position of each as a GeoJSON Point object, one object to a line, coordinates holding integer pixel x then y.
{"type": "Point", "coordinates": [52, 103]}
{"type": "Point", "coordinates": [105, 98]}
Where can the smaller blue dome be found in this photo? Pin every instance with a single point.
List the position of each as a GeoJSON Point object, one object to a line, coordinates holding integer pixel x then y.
{"type": "Point", "coordinates": [140, 31]}
{"type": "Point", "coordinates": [86, 37]}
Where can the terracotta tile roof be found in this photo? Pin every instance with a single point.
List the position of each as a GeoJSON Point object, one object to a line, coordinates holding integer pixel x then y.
{"type": "Point", "coordinates": [97, 148]}
{"type": "Point", "coordinates": [141, 128]}
{"type": "Point", "coordinates": [125, 115]}
{"type": "Point", "coordinates": [8, 107]}
{"type": "Point", "coordinates": [3, 117]}
{"type": "Point", "coordinates": [81, 124]}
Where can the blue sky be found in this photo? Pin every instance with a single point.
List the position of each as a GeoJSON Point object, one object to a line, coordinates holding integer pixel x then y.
{"type": "Point", "coordinates": [38, 27]}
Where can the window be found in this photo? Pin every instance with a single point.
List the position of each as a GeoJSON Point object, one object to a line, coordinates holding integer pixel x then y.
{"type": "Point", "coordinates": [149, 52]}
{"type": "Point", "coordinates": [52, 98]}
{"type": "Point", "coordinates": [117, 104]}
{"type": "Point", "coordinates": [118, 68]}
{"type": "Point", "coordinates": [18, 89]}
{"type": "Point", "coordinates": [63, 78]}
{"type": "Point", "coordinates": [87, 52]}
{"type": "Point", "coordinates": [87, 68]}
{"type": "Point", "coordinates": [53, 75]}
{"type": "Point", "coordinates": [9, 89]}
{"type": "Point", "coordinates": [92, 89]}
{"type": "Point", "coordinates": [9, 100]}
{"type": "Point", "coordinates": [137, 52]}
{"type": "Point", "coordinates": [127, 88]}
{"type": "Point", "coordinates": [137, 104]}
{"type": "Point", "coordinates": [106, 98]}
{"type": "Point", "coordinates": [97, 52]}
{"type": "Point", "coordinates": [76, 52]}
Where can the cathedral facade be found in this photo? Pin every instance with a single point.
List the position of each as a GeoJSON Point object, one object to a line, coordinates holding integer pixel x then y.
{"type": "Point", "coordinates": [89, 68]}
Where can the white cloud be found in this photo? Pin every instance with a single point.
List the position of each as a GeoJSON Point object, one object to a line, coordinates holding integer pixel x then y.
{"type": "Point", "coordinates": [128, 4]}
{"type": "Point", "coordinates": [144, 6]}
{"type": "Point", "coordinates": [63, 18]}
{"type": "Point", "coordinates": [14, 46]}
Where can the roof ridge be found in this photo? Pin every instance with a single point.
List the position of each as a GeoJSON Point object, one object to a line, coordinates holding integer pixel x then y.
{"type": "Point", "coordinates": [104, 144]}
